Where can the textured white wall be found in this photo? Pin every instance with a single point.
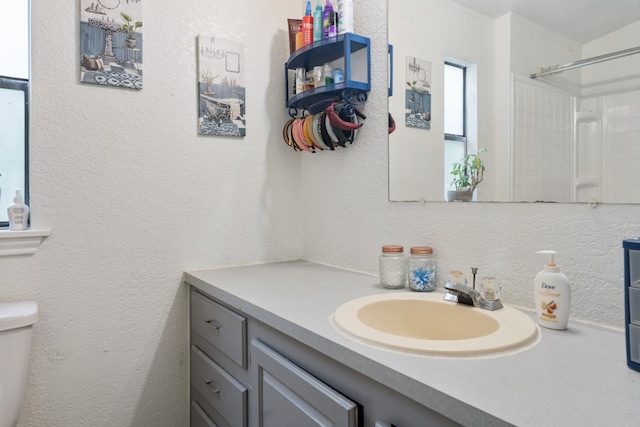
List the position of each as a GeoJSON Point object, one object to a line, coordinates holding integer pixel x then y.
{"type": "Point", "coordinates": [133, 197]}
{"type": "Point", "coordinates": [347, 217]}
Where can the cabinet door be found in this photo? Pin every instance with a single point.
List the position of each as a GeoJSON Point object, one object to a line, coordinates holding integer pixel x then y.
{"type": "Point", "coordinates": [286, 395]}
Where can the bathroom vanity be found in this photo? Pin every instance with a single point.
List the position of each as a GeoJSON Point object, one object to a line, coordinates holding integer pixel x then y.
{"type": "Point", "coordinates": [264, 351]}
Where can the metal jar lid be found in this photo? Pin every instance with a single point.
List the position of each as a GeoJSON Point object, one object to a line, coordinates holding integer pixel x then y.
{"type": "Point", "coordinates": [423, 250]}
{"type": "Point", "coordinates": [392, 248]}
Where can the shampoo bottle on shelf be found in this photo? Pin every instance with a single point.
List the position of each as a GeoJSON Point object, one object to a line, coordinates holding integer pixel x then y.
{"type": "Point", "coordinates": [345, 16]}
{"type": "Point", "coordinates": [307, 25]}
{"type": "Point", "coordinates": [552, 295]}
{"type": "Point", "coordinates": [18, 213]}
{"type": "Point", "coordinates": [317, 20]}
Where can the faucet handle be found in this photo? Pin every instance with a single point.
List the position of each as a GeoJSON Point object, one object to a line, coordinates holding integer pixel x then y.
{"type": "Point", "coordinates": [490, 288]}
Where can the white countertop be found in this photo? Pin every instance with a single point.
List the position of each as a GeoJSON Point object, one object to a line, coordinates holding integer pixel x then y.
{"type": "Point", "coordinates": [576, 377]}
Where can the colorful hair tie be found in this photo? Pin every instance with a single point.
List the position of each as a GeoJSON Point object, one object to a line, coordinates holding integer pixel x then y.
{"type": "Point", "coordinates": [308, 132]}
{"type": "Point", "coordinates": [317, 134]}
{"type": "Point", "coordinates": [298, 136]}
{"type": "Point", "coordinates": [344, 116]}
{"type": "Point", "coordinates": [286, 134]}
{"type": "Point", "coordinates": [331, 131]}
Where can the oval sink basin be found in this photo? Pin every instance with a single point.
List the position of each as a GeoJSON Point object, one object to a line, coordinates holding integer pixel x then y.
{"type": "Point", "coordinates": [426, 324]}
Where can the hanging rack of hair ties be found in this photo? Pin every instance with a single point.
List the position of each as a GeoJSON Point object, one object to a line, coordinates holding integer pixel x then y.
{"type": "Point", "coordinates": [327, 124]}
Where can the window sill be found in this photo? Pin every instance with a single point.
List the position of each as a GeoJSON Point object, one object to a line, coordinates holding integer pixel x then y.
{"type": "Point", "coordinates": [23, 242]}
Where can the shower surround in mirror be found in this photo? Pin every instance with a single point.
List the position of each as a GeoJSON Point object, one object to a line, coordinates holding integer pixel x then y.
{"type": "Point", "coordinates": [221, 90]}
{"type": "Point", "coordinates": [569, 137]}
{"type": "Point", "coordinates": [111, 43]}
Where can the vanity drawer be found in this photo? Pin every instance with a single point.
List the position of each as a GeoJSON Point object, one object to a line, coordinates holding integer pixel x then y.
{"type": "Point", "coordinates": [634, 343]}
{"type": "Point", "coordinates": [220, 389]}
{"type": "Point", "coordinates": [634, 306]}
{"type": "Point", "coordinates": [199, 418]}
{"type": "Point", "coordinates": [220, 326]}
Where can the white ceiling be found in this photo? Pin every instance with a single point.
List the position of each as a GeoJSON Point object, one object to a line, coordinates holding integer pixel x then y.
{"type": "Point", "coordinates": [580, 20]}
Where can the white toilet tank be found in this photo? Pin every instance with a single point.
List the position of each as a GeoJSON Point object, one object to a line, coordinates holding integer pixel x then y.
{"type": "Point", "coordinates": [16, 321]}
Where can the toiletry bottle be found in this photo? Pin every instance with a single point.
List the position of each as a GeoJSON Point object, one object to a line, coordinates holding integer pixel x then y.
{"type": "Point", "coordinates": [307, 25]}
{"type": "Point", "coordinates": [326, 19]}
{"type": "Point", "coordinates": [18, 213]}
{"type": "Point", "coordinates": [338, 75]}
{"type": "Point", "coordinates": [552, 295]}
{"type": "Point", "coordinates": [317, 19]}
{"type": "Point", "coordinates": [300, 79]}
{"type": "Point", "coordinates": [345, 16]}
{"type": "Point", "coordinates": [299, 38]}
{"type": "Point", "coordinates": [333, 29]}
{"type": "Point", "coordinates": [328, 75]}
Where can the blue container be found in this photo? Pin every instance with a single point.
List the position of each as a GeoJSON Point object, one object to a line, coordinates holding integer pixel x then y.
{"type": "Point", "coordinates": [632, 301]}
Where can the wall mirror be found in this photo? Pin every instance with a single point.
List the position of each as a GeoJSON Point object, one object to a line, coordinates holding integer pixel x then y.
{"type": "Point", "coordinates": [570, 134]}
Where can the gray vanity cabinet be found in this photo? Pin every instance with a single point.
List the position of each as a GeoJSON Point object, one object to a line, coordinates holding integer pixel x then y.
{"type": "Point", "coordinates": [222, 384]}
{"type": "Point", "coordinates": [245, 373]}
{"type": "Point", "coordinates": [286, 395]}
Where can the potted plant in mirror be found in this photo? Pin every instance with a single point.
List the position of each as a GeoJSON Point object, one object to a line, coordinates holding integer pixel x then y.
{"type": "Point", "coordinates": [130, 28]}
{"type": "Point", "coordinates": [467, 175]}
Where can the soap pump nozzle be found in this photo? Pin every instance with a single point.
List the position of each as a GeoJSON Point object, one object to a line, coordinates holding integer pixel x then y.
{"type": "Point", "coordinates": [551, 264]}
{"type": "Point", "coordinates": [18, 196]}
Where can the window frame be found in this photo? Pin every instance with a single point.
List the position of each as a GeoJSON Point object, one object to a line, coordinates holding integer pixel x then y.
{"type": "Point", "coordinates": [15, 83]}
{"type": "Point", "coordinates": [460, 137]}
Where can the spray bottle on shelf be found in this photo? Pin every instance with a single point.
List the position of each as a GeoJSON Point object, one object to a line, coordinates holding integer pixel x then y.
{"type": "Point", "coordinates": [18, 213]}
{"type": "Point", "coordinates": [307, 25]}
{"type": "Point", "coordinates": [552, 295]}
{"type": "Point", "coordinates": [317, 21]}
{"type": "Point", "coordinates": [326, 21]}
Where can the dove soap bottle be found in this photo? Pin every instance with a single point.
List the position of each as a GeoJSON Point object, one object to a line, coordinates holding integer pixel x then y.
{"type": "Point", "coordinates": [552, 295]}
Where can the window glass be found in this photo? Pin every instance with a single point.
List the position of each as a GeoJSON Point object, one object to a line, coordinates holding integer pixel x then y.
{"type": "Point", "coordinates": [454, 150]}
{"type": "Point", "coordinates": [454, 100]}
{"type": "Point", "coordinates": [14, 38]}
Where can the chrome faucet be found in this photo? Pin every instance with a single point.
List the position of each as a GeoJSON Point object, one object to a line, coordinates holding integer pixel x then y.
{"type": "Point", "coordinates": [463, 294]}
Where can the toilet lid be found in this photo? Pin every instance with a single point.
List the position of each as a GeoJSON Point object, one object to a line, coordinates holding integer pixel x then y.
{"type": "Point", "coordinates": [15, 315]}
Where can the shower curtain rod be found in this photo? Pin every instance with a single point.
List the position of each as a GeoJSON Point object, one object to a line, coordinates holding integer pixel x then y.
{"type": "Point", "coordinates": [583, 62]}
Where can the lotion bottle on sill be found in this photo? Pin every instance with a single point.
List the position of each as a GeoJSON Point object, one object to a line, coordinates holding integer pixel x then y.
{"type": "Point", "coordinates": [18, 213]}
{"type": "Point", "coordinates": [552, 295]}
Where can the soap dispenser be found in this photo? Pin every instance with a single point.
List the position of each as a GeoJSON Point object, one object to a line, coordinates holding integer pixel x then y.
{"type": "Point", "coordinates": [552, 295]}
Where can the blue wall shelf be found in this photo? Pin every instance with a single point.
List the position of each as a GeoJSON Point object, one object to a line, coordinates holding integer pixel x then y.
{"type": "Point", "coordinates": [348, 51]}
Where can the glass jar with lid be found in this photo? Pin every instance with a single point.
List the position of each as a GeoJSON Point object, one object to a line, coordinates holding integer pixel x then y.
{"type": "Point", "coordinates": [422, 269]}
{"type": "Point", "coordinates": [393, 267]}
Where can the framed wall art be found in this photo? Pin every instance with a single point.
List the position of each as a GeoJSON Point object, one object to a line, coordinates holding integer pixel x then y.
{"type": "Point", "coordinates": [111, 43]}
{"type": "Point", "coordinates": [418, 93]}
{"type": "Point", "coordinates": [221, 91]}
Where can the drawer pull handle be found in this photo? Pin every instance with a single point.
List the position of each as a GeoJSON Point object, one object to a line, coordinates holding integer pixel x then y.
{"type": "Point", "coordinates": [213, 387]}
{"type": "Point", "coordinates": [213, 325]}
